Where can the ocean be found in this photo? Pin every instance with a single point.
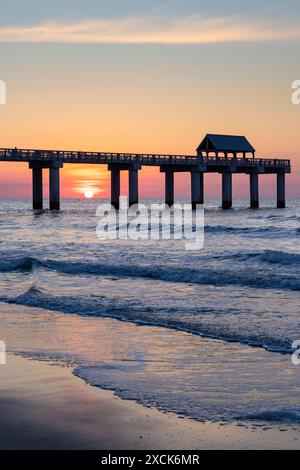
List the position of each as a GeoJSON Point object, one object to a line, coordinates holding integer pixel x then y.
{"type": "Point", "coordinates": [206, 334]}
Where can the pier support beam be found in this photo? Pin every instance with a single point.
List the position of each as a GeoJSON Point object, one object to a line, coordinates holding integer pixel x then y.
{"type": "Point", "coordinates": [37, 167]}
{"type": "Point", "coordinates": [54, 188]}
{"type": "Point", "coordinates": [227, 190]}
{"type": "Point", "coordinates": [281, 190]}
{"type": "Point", "coordinates": [133, 187]}
{"type": "Point", "coordinates": [37, 188]}
{"type": "Point", "coordinates": [169, 188]}
{"type": "Point", "coordinates": [133, 181]}
{"type": "Point", "coordinates": [197, 188]}
{"type": "Point", "coordinates": [254, 191]}
{"type": "Point", "coordinates": [115, 188]}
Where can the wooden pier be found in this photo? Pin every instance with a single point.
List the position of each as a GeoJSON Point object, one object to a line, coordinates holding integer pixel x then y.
{"type": "Point", "coordinates": [226, 155]}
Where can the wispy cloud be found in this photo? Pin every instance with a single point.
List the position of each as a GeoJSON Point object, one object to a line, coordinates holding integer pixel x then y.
{"type": "Point", "coordinates": [193, 29]}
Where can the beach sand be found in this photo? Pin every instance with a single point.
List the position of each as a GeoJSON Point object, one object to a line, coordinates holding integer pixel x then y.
{"type": "Point", "coordinates": [44, 406]}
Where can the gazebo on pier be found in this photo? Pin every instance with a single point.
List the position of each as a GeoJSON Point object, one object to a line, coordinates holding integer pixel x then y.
{"type": "Point", "coordinates": [226, 145]}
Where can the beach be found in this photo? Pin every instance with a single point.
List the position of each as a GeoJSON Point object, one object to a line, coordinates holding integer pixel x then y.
{"type": "Point", "coordinates": [44, 404]}
{"type": "Point", "coordinates": [45, 407]}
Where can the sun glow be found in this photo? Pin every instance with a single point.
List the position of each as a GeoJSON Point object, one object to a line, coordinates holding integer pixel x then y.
{"type": "Point", "coordinates": [88, 194]}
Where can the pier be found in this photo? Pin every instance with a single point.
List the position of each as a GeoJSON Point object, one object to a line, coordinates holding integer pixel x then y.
{"type": "Point", "coordinates": [226, 155]}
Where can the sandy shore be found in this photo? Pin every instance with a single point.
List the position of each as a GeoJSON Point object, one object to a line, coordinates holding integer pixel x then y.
{"type": "Point", "coordinates": [46, 407]}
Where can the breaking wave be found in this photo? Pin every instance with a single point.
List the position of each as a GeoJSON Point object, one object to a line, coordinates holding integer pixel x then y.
{"type": "Point", "coordinates": [205, 274]}
{"type": "Point", "coordinates": [274, 416]}
{"type": "Point", "coordinates": [100, 306]}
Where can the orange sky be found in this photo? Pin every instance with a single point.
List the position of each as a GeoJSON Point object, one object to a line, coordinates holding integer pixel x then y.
{"type": "Point", "coordinates": [148, 98]}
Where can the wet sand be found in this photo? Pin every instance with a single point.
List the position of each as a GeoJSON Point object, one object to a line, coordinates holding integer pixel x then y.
{"type": "Point", "coordinates": [44, 406]}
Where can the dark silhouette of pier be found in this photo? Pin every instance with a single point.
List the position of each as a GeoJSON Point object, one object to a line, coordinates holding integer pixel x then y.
{"type": "Point", "coordinates": [226, 155]}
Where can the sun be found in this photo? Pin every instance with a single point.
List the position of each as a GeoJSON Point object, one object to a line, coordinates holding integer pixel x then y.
{"type": "Point", "coordinates": [89, 194]}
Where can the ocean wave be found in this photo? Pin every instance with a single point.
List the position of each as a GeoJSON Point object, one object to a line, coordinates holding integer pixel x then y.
{"type": "Point", "coordinates": [268, 256]}
{"type": "Point", "coordinates": [204, 275]}
{"type": "Point", "coordinates": [279, 217]}
{"type": "Point", "coordinates": [273, 416]}
{"type": "Point", "coordinates": [100, 306]}
{"type": "Point", "coordinates": [271, 230]}
{"type": "Point", "coordinates": [280, 257]}
{"type": "Point", "coordinates": [125, 382]}
{"type": "Point", "coordinates": [22, 263]}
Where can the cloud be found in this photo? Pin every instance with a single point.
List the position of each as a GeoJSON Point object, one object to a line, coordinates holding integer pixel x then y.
{"type": "Point", "coordinates": [193, 29]}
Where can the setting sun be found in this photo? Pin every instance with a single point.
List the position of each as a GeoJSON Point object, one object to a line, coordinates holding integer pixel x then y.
{"type": "Point", "coordinates": [89, 194]}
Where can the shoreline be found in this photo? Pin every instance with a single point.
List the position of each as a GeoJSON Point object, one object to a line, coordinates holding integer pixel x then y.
{"type": "Point", "coordinates": [46, 407]}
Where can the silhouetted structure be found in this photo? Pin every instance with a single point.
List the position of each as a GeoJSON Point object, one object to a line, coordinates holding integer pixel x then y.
{"type": "Point", "coordinates": [226, 144]}
{"type": "Point", "coordinates": [222, 154]}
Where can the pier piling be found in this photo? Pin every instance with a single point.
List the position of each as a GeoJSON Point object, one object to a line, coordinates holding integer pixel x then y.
{"type": "Point", "coordinates": [254, 191]}
{"type": "Point", "coordinates": [54, 188]}
{"type": "Point", "coordinates": [115, 188]}
{"type": "Point", "coordinates": [37, 188]}
{"type": "Point", "coordinates": [281, 190]}
{"type": "Point", "coordinates": [133, 187]}
{"type": "Point", "coordinates": [37, 183]}
{"type": "Point", "coordinates": [226, 190]}
{"type": "Point", "coordinates": [197, 188]}
{"type": "Point", "coordinates": [169, 188]}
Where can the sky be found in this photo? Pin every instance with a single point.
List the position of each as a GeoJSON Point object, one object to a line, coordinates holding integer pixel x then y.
{"type": "Point", "coordinates": [148, 76]}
